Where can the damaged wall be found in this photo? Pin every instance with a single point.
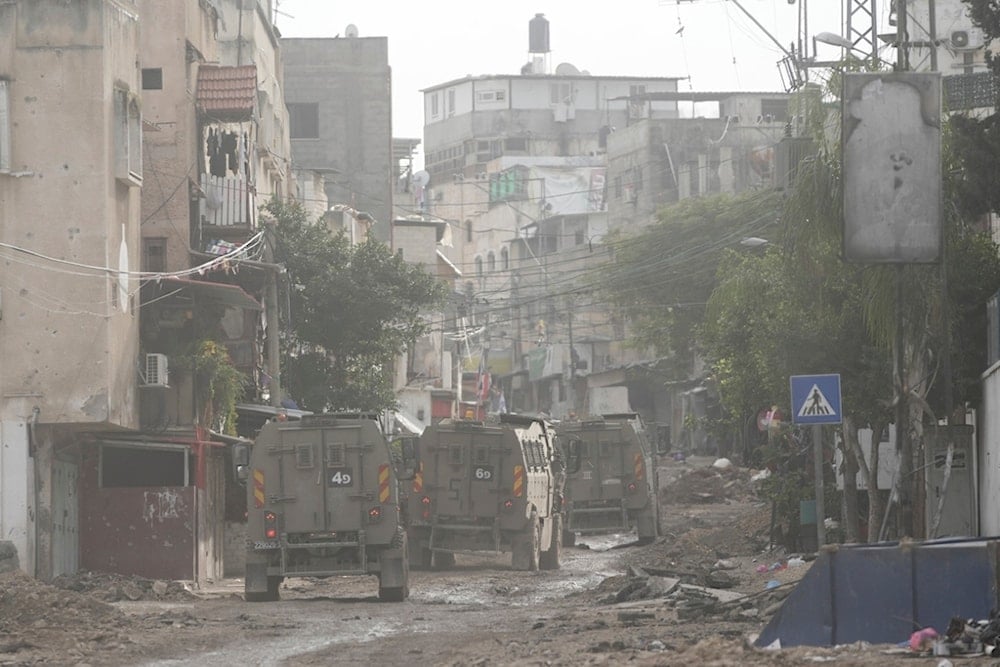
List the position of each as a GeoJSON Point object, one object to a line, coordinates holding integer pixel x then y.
{"type": "Point", "coordinates": [144, 531]}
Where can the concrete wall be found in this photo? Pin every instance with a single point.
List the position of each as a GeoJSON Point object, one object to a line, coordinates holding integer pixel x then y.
{"type": "Point", "coordinates": [16, 487]}
{"type": "Point", "coordinates": [350, 80]}
{"type": "Point", "coordinates": [63, 339]}
{"type": "Point", "coordinates": [171, 139]}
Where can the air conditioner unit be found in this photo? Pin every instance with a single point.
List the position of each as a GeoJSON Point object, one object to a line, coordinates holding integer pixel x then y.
{"type": "Point", "coordinates": [966, 40]}
{"type": "Point", "coordinates": [156, 370]}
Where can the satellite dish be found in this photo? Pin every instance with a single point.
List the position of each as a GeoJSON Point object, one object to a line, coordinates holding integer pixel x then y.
{"type": "Point", "coordinates": [123, 273]}
{"type": "Point", "coordinates": [566, 69]}
{"type": "Point", "coordinates": [421, 178]}
{"type": "Point", "coordinates": [351, 30]}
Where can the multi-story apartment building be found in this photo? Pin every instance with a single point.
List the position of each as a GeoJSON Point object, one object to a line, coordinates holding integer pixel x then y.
{"type": "Point", "coordinates": [146, 155]}
{"type": "Point", "coordinates": [533, 171]}
{"type": "Point", "coordinates": [70, 176]}
{"type": "Point", "coordinates": [338, 92]}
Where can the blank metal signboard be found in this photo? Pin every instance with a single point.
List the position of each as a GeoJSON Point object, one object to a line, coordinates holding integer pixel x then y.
{"type": "Point", "coordinates": [892, 167]}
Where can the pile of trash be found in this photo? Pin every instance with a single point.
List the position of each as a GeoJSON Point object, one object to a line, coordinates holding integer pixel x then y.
{"type": "Point", "coordinates": [692, 596]}
{"type": "Point", "coordinates": [963, 637]}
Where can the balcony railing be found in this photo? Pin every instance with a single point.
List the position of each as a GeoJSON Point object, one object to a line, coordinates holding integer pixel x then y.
{"type": "Point", "coordinates": [228, 202]}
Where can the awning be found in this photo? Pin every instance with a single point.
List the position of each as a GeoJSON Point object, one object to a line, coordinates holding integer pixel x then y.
{"type": "Point", "coordinates": [227, 93]}
{"type": "Point", "coordinates": [230, 295]}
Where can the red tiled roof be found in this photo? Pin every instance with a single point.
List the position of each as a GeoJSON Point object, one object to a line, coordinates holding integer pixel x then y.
{"type": "Point", "coordinates": [227, 92]}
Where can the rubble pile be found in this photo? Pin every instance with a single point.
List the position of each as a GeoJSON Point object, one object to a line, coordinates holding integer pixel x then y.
{"type": "Point", "coordinates": [708, 485]}
{"type": "Point", "coordinates": [37, 618]}
{"type": "Point", "coordinates": [110, 587]}
{"type": "Point", "coordinates": [692, 602]}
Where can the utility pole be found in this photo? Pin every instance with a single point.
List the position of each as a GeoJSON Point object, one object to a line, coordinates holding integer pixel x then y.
{"type": "Point", "coordinates": [272, 331]}
{"type": "Point", "coordinates": [903, 445]}
{"type": "Point", "coordinates": [571, 393]}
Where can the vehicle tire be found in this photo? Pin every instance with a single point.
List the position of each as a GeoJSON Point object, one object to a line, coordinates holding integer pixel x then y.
{"type": "Point", "coordinates": [398, 593]}
{"type": "Point", "coordinates": [645, 524]}
{"type": "Point", "coordinates": [526, 547]}
{"type": "Point", "coordinates": [443, 560]}
{"type": "Point", "coordinates": [271, 595]}
{"type": "Point", "coordinates": [550, 557]}
{"type": "Point", "coordinates": [400, 568]}
{"type": "Point", "coordinates": [419, 554]}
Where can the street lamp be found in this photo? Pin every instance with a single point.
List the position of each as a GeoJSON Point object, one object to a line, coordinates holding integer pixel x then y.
{"type": "Point", "coordinates": [753, 242]}
{"type": "Point", "coordinates": [833, 40]}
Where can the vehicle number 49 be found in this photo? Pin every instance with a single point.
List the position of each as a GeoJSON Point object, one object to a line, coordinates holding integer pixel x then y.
{"type": "Point", "coordinates": [483, 473]}
{"type": "Point", "coordinates": [341, 478]}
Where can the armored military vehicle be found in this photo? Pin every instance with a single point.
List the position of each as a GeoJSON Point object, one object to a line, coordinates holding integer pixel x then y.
{"type": "Point", "coordinates": [323, 500]}
{"type": "Point", "coordinates": [614, 486]}
{"type": "Point", "coordinates": [487, 487]}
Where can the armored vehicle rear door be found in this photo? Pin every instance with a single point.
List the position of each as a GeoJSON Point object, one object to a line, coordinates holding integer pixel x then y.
{"type": "Point", "coordinates": [466, 471]}
{"type": "Point", "coordinates": [611, 458]}
{"type": "Point", "coordinates": [323, 469]}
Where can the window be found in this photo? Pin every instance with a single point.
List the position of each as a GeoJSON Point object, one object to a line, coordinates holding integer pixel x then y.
{"type": "Point", "coordinates": [152, 78]}
{"type": "Point", "coordinates": [468, 231]}
{"type": "Point", "coordinates": [303, 120]}
{"type": "Point", "coordinates": [451, 102]}
{"type": "Point", "coordinates": [489, 96]}
{"type": "Point", "coordinates": [774, 110]}
{"type": "Point", "coordinates": [335, 454]}
{"type": "Point", "coordinates": [636, 89]}
{"type": "Point", "coordinates": [504, 259]}
{"type": "Point", "coordinates": [559, 92]}
{"type": "Point", "coordinates": [479, 267]}
{"type": "Point", "coordinates": [515, 144]}
{"type": "Point", "coordinates": [154, 254]}
{"type": "Point", "coordinates": [305, 456]}
{"type": "Point", "coordinates": [491, 262]}
{"type": "Point", "coordinates": [4, 125]}
{"type": "Point", "coordinates": [128, 138]}
{"type": "Point", "coordinates": [435, 107]}
{"type": "Point", "coordinates": [134, 466]}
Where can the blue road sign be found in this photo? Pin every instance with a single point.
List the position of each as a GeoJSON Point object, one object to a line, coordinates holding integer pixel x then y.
{"type": "Point", "coordinates": [816, 399]}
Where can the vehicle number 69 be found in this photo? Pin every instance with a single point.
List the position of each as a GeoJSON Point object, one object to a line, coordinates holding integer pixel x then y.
{"type": "Point", "coordinates": [483, 473]}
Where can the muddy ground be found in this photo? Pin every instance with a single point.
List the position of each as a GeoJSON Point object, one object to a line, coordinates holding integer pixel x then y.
{"type": "Point", "coordinates": [693, 597]}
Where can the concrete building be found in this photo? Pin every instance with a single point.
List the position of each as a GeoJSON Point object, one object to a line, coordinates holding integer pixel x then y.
{"type": "Point", "coordinates": [70, 172]}
{"type": "Point", "coordinates": [533, 171]}
{"type": "Point", "coordinates": [112, 455]}
{"type": "Point", "coordinates": [338, 92]}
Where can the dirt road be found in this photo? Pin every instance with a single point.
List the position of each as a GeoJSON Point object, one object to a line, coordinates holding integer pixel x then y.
{"type": "Point", "coordinates": [691, 598]}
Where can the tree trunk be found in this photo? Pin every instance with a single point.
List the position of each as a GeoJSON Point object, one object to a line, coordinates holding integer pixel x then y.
{"type": "Point", "coordinates": [850, 471]}
{"type": "Point", "coordinates": [869, 469]}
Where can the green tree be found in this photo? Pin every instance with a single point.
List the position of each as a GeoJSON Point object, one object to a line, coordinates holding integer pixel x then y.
{"type": "Point", "coordinates": [797, 308]}
{"type": "Point", "coordinates": [354, 309]}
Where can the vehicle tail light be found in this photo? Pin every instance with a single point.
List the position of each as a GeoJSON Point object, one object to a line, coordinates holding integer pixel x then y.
{"type": "Point", "coordinates": [426, 513]}
{"type": "Point", "coordinates": [631, 487]}
{"type": "Point", "coordinates": [375, 514]}
{"type": "Point", "coordinates": [270, 525]}
{"type": "Point", "coordinates": [507, 504]}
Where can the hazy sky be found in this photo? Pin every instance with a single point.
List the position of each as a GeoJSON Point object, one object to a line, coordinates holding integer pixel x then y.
{"type": "Point", "coordinates": [434, 41]}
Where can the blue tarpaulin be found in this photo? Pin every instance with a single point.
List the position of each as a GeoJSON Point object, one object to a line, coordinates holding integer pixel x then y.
{"type": "Point", "coordinates": [882, 593]}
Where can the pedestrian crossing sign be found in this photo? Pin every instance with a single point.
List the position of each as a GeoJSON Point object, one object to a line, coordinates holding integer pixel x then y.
{"type": "Point", "coordinates": [816, 399]}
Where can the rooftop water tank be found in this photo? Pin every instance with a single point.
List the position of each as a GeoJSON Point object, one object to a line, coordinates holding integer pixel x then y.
{"type": "Point", "coordinates": [538, 34]}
